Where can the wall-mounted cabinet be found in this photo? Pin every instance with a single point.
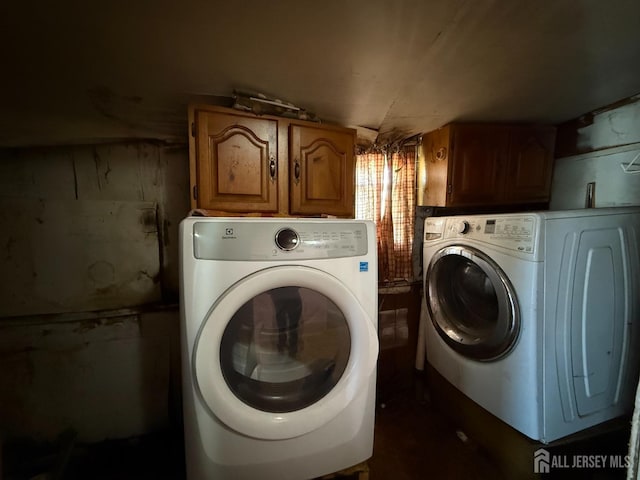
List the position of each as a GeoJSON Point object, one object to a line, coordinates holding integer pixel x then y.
{"type": "Point", "coordinates": [241, 163]}
{"type": "Point", "coordinates": [486, 164]}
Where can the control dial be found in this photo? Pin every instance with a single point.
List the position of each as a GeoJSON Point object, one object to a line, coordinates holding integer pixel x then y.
{"type": "Point", "coordinates": [462, 227]}
{"type": "Point", "coordinates": [287, 239]}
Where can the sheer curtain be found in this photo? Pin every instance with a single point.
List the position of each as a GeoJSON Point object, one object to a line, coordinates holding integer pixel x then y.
{"type": "Point", "coordinates": [385, 193]}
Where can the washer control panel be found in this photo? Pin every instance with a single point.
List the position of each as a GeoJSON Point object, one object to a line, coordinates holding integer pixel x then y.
{"type": "Point", "coordinates": [515, 232]}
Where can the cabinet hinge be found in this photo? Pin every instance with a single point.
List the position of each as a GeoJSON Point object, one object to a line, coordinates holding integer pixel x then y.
{"type": "Point", "coordinates": [193, 129]}
{"type": "Point", "coordinates": [449, 189]}
{"type": "Point", "coordinates": [195, 192]}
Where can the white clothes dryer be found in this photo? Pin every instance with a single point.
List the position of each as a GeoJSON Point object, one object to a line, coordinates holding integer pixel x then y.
{"type": "Point", "coordinates": [536, 316]}
{"type": "Point", "coordinates": [279, 346]}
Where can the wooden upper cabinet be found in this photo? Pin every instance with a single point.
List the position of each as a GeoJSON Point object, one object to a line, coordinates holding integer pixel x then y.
{"type": "Point", "coordinates": [322, 171]}
{"type": "Point", "coordinates": [531, 153]}
{"type": "Point", "coordinates": [485, 164]}
{"type": "Point", "coordinates": [236, 167]}
{"type": "Point", "coordinates": [479, 156]}
{"type": "Point", "coordinates": [242, 164]}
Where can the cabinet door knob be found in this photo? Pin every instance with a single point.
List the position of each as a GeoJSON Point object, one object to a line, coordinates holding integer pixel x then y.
{"type": "Point", "coordinates": [272, 168]}
{"type": "Point", "coordinates": [296, 171]}
{"type": "Point", "coordinates": [441, 153]}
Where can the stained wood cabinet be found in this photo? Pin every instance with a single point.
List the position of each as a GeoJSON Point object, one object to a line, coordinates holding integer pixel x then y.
{"type": "Point", "coordinates": [486, 164]}
{"type": "Point", "coordinates": [242, 163]}
{"type": "Point", "coordinates": [323, 177]}
{"type": "Point", "coordinates": [530, 166]}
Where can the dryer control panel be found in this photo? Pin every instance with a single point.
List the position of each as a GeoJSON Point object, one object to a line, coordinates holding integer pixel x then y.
{"type": "Point", "coordinates": [515, 232]}
{"type": "Point", "coordinates": [268, 240]}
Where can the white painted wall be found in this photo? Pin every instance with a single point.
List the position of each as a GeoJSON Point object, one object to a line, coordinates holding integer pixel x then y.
{"type": "Point", "coordinates": [613, 186]}
{"type": "Point", "coordinates": [611, 136]}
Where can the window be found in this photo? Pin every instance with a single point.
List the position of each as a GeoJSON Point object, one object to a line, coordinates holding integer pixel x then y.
{"type": "Point", "coordinates": [385, 193]}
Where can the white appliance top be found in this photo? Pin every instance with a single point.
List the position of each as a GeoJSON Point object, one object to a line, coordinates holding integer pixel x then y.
{"type": "Point", "coordinates": [238, 239]}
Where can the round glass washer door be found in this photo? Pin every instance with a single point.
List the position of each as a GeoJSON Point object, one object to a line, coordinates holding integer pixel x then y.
{"type": "Point", "coordinates": [283, 351]}
{"type": "Point", "coordinates": [471, 302]}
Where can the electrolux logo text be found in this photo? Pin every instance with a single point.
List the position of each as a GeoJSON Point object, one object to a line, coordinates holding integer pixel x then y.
{"type": "Point", "coordinates": [228, 234]}
{"type": "Point", "coordinates": [544, 462]}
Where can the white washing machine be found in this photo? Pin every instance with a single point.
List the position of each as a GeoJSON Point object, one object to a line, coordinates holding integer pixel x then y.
{"type": "Point", "coordinates": [279, 346]}
{"type": "Point", "coordinates": [536, 316]}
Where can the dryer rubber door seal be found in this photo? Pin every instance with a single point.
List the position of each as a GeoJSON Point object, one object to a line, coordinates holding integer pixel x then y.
{"type": "Point", "coordinates": [220, 400]}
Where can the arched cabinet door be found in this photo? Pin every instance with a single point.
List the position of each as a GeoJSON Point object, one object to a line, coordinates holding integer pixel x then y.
{"type": "Point", "coordinates": [236, 165]}
{"type": "Point", "coordinates": [321, 171]}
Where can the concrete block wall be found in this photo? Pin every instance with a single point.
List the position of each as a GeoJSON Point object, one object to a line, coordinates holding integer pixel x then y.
{"type": "Point", "coordinates": [89, 288]}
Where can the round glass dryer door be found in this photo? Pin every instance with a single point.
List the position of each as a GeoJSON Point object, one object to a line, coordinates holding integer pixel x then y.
{"type": "Point", "coordinates": [285, 349]}
{"type": "Point", "coordinates": [472, 303]}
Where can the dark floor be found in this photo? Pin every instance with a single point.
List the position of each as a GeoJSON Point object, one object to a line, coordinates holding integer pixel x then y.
{"type": "Point", "coordinates": [413, 440]}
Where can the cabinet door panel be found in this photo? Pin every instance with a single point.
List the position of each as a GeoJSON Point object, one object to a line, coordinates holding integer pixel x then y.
{"type": "Point", "coordinates": [434, 167]}
{"type": "Point", "coordinates": [479, 163]}
{"type": "Point", "coordinates": [236, 163]}
{"type": "Point", "coordinates": [322, 172]}
{"type": "Point", "coordinates": [530, 165]}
